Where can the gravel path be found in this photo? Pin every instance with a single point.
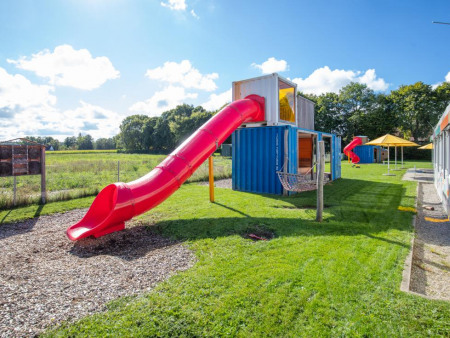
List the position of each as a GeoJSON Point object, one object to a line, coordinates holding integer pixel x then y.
{"type": "Point", "coordinates": [430, 269]}
{"type": "Point", "coordinates": [46, 279]}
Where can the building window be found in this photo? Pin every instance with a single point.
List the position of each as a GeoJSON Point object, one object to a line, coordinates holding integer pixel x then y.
{"type": "Point", "coordinates": [287, 101]}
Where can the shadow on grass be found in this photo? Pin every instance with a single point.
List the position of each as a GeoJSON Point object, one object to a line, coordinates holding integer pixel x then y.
{"type": "Point", "coordinates": [18, 228]}
{"type": "Point", "coordinates": [354, 207]}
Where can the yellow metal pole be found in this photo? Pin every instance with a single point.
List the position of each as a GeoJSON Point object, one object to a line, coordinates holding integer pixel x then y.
{"type": "Point", "coordinates": [211, 179]}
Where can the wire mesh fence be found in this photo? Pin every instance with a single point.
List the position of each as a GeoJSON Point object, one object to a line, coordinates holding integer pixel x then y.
{"type": "Point", "coordinates": [76, 177]}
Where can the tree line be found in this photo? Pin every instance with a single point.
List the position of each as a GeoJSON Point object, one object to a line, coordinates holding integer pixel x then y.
{"type": "Point", "coordinates": [82, 142]}
{"type": "Point", "coordinates": [410, 111]}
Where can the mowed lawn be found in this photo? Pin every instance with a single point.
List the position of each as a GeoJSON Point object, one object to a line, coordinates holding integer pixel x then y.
{"type": "Point", "coordinates": [336, 278]}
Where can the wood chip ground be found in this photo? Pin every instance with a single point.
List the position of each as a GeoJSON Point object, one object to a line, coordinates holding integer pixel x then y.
{"type": "Point", "coordinates": [46, 279]}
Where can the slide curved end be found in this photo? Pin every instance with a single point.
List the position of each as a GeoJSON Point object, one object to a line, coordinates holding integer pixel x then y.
{"type": "Point", "coordinates": [110, 209]}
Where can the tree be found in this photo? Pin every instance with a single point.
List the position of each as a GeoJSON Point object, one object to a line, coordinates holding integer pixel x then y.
{"type": "Point", "coordinates": [46, 140]}
{"type": "Point", "coordinates": [149, 133]}
{"type": "Point", "coordinates": [70, 142]}
{"type": "Point", "coordinates": [182, 127]}
{"type": "Point", "coordinates": [356, 101]}
{"type": "Point", "coordinates": [85, 142]}
{"type": "Point", "coordinates": [328, 113]}
{"type": "Point", "coordinates": [105, 143]}
{"type": "Point", "coordinates": [417, 110]}
{"type": "Point", "coordinates": [132, 132]}
{"type": "Point", "coordinates": [163, 139]}
{"type": "Point", "coordinates": [442, 93]}
{"type": "Point", "coordinates": [381, 119]}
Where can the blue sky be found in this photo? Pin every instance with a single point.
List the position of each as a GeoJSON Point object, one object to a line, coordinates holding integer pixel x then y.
{"type": "Point", "coordinates": [71, 66]}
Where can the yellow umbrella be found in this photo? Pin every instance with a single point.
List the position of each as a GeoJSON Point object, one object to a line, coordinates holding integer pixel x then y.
{"type": "Point", "coordinates": [427, 146]}
{"type": "Point", "coordinates": [394, 141]}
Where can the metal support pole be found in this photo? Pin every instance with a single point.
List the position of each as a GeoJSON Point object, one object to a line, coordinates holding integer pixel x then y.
{"type": "Point", "coordinates": [402, 160]}
{"type": "Point", "coordinates": [395, 157]}
{"type": "Point", "coordinates": [388, 173]}
{"type": "Point", "coordinates": [320, 172]}
{"type": "Point", "coordinates": [211, 179]}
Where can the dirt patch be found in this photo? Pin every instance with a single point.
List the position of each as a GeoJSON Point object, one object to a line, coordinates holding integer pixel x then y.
{"type": "Point", "coordinates": [46, 279]}
{"type": "Point", "coordinates": [259, 233]}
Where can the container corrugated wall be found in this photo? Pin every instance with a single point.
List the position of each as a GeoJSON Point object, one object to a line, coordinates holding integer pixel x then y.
{"type": "Point", "coordinates": [265, 86]}
{"type": "Point", "coordinates": [305, 113]}
{"type": "Point", "coordinates": [258, 153]}
{"type": "Point", "coordinates": [367, 154]}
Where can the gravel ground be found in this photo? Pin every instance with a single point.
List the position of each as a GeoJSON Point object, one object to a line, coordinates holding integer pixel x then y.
{"type": "Point", "coordinates": [46, 279]}
{"type": "Point", "coordinates": [227, 184]}
{"type": "Point", "coordinates": [430, 270]}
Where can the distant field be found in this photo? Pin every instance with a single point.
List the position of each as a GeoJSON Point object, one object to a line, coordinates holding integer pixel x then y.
{"type": "Point", "coordinates": [74, 174]}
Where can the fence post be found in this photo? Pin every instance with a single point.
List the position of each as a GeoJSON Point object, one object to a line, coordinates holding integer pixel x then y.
{"type": "Point", "coordinates": [320, 172]}
{"type": "Point", "coordinates": [43, 178]}
{"type": "Point", "coordinates": [14, 191]}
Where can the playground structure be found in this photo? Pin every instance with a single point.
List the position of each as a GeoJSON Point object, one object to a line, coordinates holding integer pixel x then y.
{"type": "Point", "coordinates": [267, 106]}
{"type": "Point", "coordinates": [359, 152]}
{"type": "Point", "coordinates": [269, 154]}
{"type": "Point", "coordinates": [441, 159]}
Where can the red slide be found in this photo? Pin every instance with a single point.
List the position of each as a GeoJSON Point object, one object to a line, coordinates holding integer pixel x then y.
{"type": "Point", "coordinates": [348, 149]}
{"type": "Point", "coordinates": [119, 202]}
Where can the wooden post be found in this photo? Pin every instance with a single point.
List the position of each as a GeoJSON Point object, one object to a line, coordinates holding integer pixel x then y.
{"type": "Point", "coordinates": [211, 179]}
{"type": "Point", "coordinates": [320, 172]}
{"type": "Point", "coordinates": [43, 181]}
{"type": "Point", "coordinates": [14, 191]}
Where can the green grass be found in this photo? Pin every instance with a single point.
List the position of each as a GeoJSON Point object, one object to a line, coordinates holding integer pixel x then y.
{"type": "Point", "coordinates": [76, 174]}
{"type": "Point", "coordinates": [336, 278]}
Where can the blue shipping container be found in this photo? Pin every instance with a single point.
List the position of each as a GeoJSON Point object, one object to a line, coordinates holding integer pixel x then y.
{"type": "Point", "coordinates": [259, 152]}
{"type": "Point", "coordinates": [367, 153]}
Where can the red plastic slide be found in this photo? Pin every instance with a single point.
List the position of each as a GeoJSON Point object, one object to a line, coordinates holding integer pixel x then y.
{"type": "Point", "coordinates": [119, 202]}
{"type": "Point", "coordinates": [348, 149]}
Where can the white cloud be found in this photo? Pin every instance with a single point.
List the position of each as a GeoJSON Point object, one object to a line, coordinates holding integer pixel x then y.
{"type": "Point", "coordinates": [324, 80]}
{"type": "Point", "coordinates": [66, 66]}
{"type": "Point", "coordinates": [272, 65]}
{"type": "Point", "coordinates": [86, 119]}
{"type": "Point", "coordinates": [447, 77]}
{"type": "Point", "coordinates": [162, 101]}
{"type": "Point", "coordinates": [183, 74]}
{"type": "Point", "coordinates": [216, 101]}
{"type": "Point", "coordinates": [194, 14]}
{"type": "Point", "coordinates": [175, 5]}
{"type": "Point", "coordinates": [18, 93]}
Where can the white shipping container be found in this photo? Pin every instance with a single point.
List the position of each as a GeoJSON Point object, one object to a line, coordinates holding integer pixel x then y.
{"type": "Point", "coordinates": [305, 113]}
{"type": "Point", "coordinates": [269, 87]}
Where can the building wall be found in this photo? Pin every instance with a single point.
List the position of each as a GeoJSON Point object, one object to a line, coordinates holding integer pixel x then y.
{"type": "Point", "coordinates": [441, 159]}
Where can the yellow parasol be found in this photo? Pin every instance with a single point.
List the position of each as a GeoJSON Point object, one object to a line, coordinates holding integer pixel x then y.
{"type": "Point", "coordinates": [389, 140]}
{"type": "Point", "coordinates": [427, 146]}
